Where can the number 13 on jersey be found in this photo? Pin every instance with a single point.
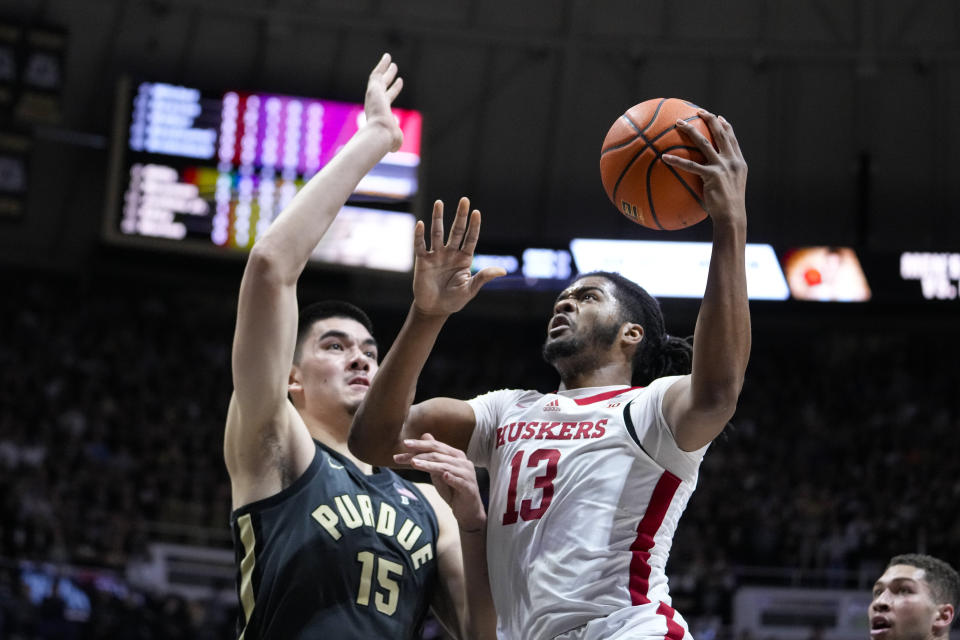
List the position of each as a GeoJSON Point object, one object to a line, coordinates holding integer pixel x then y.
{"type": "Point", "coordinates": [544, 482]}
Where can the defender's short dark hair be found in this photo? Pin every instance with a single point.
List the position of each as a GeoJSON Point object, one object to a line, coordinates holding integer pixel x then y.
{"type": "Point", "coordinates": [659, 354]}
{"type": "Point", "coordinates": [943, 579]}
{"type": "Point", "coordinates": [317, 311]}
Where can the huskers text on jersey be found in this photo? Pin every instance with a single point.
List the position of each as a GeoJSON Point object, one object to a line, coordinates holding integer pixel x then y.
{"type": "Point", "coordinates": [550, 431]}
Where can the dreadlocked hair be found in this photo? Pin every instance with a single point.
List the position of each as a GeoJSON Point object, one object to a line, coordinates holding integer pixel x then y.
{"type": "Point", "coordinates": [659, 353]}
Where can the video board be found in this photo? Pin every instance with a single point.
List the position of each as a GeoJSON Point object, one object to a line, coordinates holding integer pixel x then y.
{"type": "Point", "coordinates": [200, 170]}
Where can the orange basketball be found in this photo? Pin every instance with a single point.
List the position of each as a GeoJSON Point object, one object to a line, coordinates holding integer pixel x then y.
{"type": "Point", "coordinates": [637, 181]}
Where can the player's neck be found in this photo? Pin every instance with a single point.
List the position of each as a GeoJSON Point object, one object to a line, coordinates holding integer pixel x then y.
{"type": "Point", "coordinates": [609, 374]}
{"type": "Point", "coordinates": [334, 436]}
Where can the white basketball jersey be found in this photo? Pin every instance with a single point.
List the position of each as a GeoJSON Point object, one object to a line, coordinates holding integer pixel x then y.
{"type": "Point", "coordinates": [586, 489]}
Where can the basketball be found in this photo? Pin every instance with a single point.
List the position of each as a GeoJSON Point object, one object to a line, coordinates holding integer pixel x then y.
{"type": "Point", "coordinates": [642, 187]}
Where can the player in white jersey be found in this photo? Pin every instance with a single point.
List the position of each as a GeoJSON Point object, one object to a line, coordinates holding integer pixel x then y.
{"type": "Point", "coordinates": [593, 539]}
{"type": "Point", "coordinates": [588, 483]}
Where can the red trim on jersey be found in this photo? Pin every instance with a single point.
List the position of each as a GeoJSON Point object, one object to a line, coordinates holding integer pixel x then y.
{"type": "Point", "coordinates": [674, 630]}
{"type": "Point", "coordinates": [606, 395]}
{"type": "Point", "coordinates": [656, 511]}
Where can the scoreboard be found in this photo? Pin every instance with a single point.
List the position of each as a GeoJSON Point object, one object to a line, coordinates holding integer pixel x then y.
{"type": "Point", "coordinates": [210, 171]}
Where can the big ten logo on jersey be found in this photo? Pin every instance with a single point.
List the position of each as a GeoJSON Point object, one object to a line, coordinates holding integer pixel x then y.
{"type": "Point", "coordinates": [356, 511]}
{"type": "Point", "coordinates": [547, 430]}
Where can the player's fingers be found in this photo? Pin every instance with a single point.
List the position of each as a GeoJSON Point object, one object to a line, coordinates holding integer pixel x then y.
{"type": "Point", "coordinates": [419, 241]}
{"type": "Point", "coordinates": [458, 484]}
{"type": "Point", "coordinates": [432, 466]}
{"type": "Point", "coordinates": [403, 458]}
{"type": "Point", "coordinates": [731, 136]}
{"type": "Point", "coordinates": [484, 276]}
{"type": "Point", "coordinates": [389, 74]}
{"type": "Point", "coordinates": [473, 233]}
{"type": "Point", "coordinates": [685, 164]}
{"type": "Point", "coordinates": [454, 478]}
{"type": "Point", "coordinates": [462, 469]}
{"type": "Point", "coordinates": [436, 226]}
{"type": "Point", "coordinates": [459, 227]}
{"type": "Point", "coordinates": [720, 136]}
{"type": "Point", "coordinates": [435, 450]}
{"type": "Point", "coordinates": [394, 89]}
{"type": "Point", "coordinates": [433, 456]}
{"type": "Point", "coordinates": [699, 140]}
{"type": "Point", "coordinates": [427, 443]}
{"type": "Point", "coordinates": [381, 65]}
{"type": "Point", "coordinates": [455, 458]}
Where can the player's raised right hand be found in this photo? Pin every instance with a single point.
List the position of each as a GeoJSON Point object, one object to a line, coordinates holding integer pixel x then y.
{"type": "Point", "coordinates": [383, 87]}
{"type": "Point", "coordinates": [442, 283]}
{"type": "Point", "coordinates": [724, 174]}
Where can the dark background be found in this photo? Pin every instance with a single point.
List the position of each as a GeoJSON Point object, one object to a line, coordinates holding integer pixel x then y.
{"type": "Point", "coordinates": [845, 110]}
{"type": "Point", "coordinates": [115, 361]}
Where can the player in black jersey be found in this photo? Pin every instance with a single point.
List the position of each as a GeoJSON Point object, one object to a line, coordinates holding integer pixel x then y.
{"type": "Point", "coordinates": [328, 546]}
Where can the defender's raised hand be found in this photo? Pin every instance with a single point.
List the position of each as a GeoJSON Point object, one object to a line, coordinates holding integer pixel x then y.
{"type": "Point", "coordinates": [725, 173]}
{"type": "Point", "coordinates": [442, 283]}
{"type": "Point", "coordinates": [383, 87]}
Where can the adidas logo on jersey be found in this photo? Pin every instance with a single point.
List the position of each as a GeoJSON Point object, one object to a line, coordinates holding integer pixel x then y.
{"type": "Point", "coordinates": [552, 406]}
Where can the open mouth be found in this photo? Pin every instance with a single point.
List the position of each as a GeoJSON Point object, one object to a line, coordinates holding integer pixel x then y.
{"type": "Point", "coordinates": [879, 625]}
{"type": "Point", "coordinates": [558, 325]}
{"type": "Point", "coordinates": [362, 382]}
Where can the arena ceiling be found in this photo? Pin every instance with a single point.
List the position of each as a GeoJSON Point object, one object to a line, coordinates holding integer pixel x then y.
{"type": "Point", "coordinates": [846, 110]}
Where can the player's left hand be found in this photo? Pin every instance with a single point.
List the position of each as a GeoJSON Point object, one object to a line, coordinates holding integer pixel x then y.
{"type": "Point", "coordinates": [442, 283]}
{"type": "Point", "coordinates": [725, 173]}
{"type": "Point", "coordinates": [453, 476]}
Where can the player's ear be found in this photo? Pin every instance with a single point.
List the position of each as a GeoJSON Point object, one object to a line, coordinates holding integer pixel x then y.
{"type": "Point", "coordinates": [294, 382]}
{"type": "Point", "coordinates": [631, 333]}
{"type": "Point", "coordinates": [941, 624]}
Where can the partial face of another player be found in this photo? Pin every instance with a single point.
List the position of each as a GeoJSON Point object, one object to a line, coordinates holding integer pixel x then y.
{"type": "Point", "coordinates": [903, 606]}
{"type": "Point", "coordinates": [585, 315]}
{"type": "Point", "coordinates": [338, 360]}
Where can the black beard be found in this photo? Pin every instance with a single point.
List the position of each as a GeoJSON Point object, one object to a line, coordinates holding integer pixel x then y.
{"type": "Point", "coordinates": [575, 350]}
{"type": "Point", "coordinates": [562, 349]}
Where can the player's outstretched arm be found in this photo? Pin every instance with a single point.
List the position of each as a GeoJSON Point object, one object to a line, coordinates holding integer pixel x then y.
{"type": "Point", "coordinates": [463, 603]}
{"type": "Point", "coordinates": [442, 285]}
{"type": "Point", "coordinates": [265, 333]}
{"type": "Point", "coordinates": [699, 406]}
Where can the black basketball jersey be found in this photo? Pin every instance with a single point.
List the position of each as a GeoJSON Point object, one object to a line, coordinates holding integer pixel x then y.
{"type": "Point", "coordinates": [336, 555]}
